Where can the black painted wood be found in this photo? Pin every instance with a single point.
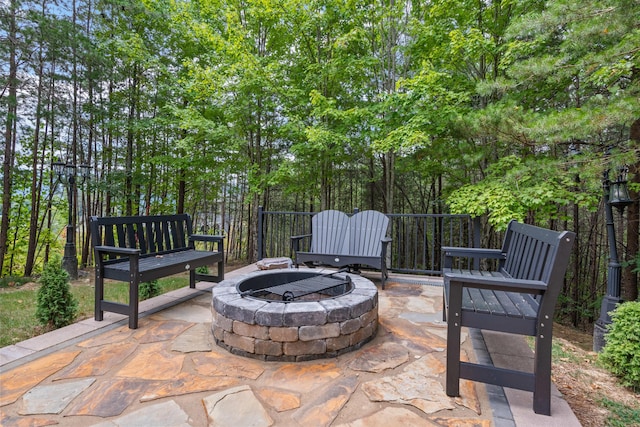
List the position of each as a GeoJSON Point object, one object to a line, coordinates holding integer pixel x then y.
{"type": "Point", "coordinates": [139, 249]}
{"type": "Point", "coordinates": [518, 297]}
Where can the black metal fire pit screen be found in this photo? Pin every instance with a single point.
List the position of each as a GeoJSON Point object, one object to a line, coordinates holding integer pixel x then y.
{"type": "Point", "coordinates": [324, 284]}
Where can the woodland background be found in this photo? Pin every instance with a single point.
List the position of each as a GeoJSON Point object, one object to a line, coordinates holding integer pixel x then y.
{"type": "Point", "coordinates": [499, 109]}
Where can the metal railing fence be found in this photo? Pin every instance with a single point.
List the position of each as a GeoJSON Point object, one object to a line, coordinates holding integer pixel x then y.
{"type": "Point", "coordinates": [415, 249]}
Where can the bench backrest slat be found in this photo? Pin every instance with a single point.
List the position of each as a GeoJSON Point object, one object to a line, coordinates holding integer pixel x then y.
{"type": "Point", "coordinates": [528, 251]}
{"type": "Point", "coordinates": [131, 235]}
{"type": "Point", "coordinates": [157, 236]}
{"type": "Point", "coordinates": [151, 234]}
{"type": "Point", "coordinates": [108, 237]}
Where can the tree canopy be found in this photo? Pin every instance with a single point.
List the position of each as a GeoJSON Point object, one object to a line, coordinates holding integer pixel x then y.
{"type": "Point", "coordinates": [505, 110]}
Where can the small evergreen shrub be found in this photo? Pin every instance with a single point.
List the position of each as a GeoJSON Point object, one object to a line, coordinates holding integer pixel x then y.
{"type": "Point", "coordinates": [56, 305]}
{"type": "Point", "coordinates": [202, 270]}
{"type": "Point", "coordinates": [149, 289]}
{"type": "Point", "coordinates": [621, 353]}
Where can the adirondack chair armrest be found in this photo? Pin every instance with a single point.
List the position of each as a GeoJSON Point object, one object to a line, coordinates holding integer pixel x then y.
{"type": "Point", "coordinates": [385, 245]}
{"type": "Point", "coordinates": [504, 283]}
{"type": "Point", "coordinates": [302, 236]}
{"type": "Point", "coordinates": [295, 241]}
{"type": "Point", "coordinates": [451, 252]}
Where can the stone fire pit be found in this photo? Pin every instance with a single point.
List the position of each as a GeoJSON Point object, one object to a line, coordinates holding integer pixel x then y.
{"type": "Point", "coordinates": [313, 328]}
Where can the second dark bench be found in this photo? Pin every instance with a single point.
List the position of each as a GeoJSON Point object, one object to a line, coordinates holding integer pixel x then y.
{"type": "Point", "coordinates": [517, 297]}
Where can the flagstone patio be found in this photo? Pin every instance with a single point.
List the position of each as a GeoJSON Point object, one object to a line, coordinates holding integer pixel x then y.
{"type": "Point", "coordinates": [169, 372]}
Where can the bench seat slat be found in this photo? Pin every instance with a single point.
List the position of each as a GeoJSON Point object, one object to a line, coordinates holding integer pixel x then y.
{"type": "Point", "coordinates": [154, 267]}
{"type": "Point", "coordinates": [510, 308]}
{"type": "Point", "coordinates": [523, 305]}
{"type": "Point", "coordinates": [478, 303]}
{"type": "Point", "coordinates": [493, 302]}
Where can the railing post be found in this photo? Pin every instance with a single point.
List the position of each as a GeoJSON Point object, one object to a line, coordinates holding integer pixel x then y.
{"type": "Point", "coordinates": [260, 237]}
{"type": "Point", "coordinates": [477, 230]}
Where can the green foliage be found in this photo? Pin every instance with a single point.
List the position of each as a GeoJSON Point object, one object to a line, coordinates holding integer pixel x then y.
{"type": "Point", "coordinates": [634, 262]}
{"type": "Point", "coordinates": [148, 290]}
{"type": "Point", "coordinates": [513, 189]}
{"type": "Point", "coordinates": [56, 305]}
{"type": "Point", "coordinates": [621, 354]}
{"type": "Point", "coordinates": [621, 415]}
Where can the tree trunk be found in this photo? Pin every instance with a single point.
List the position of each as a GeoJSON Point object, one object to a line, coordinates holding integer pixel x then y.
{"type": "Point", "coordinates": [9, 136]}
{"type": "Point", "coordinates": [629, 282]}
{"type": "Point", "coordinates": [35, 181]}
{"type": "Point", "coordinates": [133, 101]}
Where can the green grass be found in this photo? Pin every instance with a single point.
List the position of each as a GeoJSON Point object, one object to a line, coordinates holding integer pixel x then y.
{"type": "Point", "coordinates": [18, 307]}
{"type": "Point", "coordinates": [621, 415]}
{"type": "Point", "coordinates": [13, 281]}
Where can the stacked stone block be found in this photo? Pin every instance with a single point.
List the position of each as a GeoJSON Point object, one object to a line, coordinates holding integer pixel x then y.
{"type": "Point", "coordinates": [294, 331]}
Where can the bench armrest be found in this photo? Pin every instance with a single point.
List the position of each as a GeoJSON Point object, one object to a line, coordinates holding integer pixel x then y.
{"type": "Point", "coordinates": [494, 283]}
{"type": "Point", "coordinates": [116, 250]}
{"type": "Point", "coordinates": [472, 252]}
{"type": "Point", "coordinates": [219, 240]}
{"type": "Point", "coordinates": [451, 252]}
{"type": "Point", "coordinates": [205, 238]}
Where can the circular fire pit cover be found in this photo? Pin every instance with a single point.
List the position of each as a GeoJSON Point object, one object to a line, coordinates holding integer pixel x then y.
{"type": "Point", "coordinates": [297, 330]}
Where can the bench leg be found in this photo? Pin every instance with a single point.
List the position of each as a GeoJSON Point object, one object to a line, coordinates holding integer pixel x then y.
{"type": "Point", "coordinates": [99, 296]}
{"type": "Point", "coordinates": [192, 279]}
{"type": "Point", "coordinates": [453, 341]}
{"type": "Point", "coordinates": [542, 374]}
{"type": "Point", "coordinates": [220, 271]}
{"type": "Point", "coordinates": [133, 303]}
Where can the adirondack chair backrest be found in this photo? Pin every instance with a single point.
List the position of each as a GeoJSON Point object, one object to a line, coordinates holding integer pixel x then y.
{"type": "Point", "coordinates": [330, 229]}
{"type": "Point", "coordinates": [367, 229]}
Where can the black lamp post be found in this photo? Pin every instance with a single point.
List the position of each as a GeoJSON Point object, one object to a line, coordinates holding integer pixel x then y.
{"type": "Point", "coordinates": [616, 195]}
{"type": "Point", "coordinates": [67, 174]}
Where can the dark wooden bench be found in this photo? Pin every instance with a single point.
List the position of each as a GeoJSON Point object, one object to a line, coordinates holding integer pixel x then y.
{"type": "Point", "coordinates": [339, 240]}
{"type": "Point", "coordinates": [139, 249]}
{"type": "Point", "coordinates": [517, 297]}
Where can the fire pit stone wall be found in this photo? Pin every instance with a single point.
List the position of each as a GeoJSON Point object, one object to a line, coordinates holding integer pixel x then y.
{"type": "Point", "coordinates": [293, 331]}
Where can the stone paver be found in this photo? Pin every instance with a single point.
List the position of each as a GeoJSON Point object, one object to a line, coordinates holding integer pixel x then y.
{"type": "Point", "coordinates": [195, 339]}
{"type": "Point", "coordinates": [52, 398]}
{"type": "Point", "coordinates": [236, 407]}
{"type": "Point", "coordinates": [17, 382]}
{"type": "Point", "coordinates": [390, 416]}
{"type": "Point", "coordinates": [378, 358]}
{"type": "Point", "coordinates": [418, 385]}
{"type": "Point", "coordinates": [169, 373]}
{"type": "Point", "coordinates": [168, 414]}
{"type": "Point", "coordinates": [324, 408]}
